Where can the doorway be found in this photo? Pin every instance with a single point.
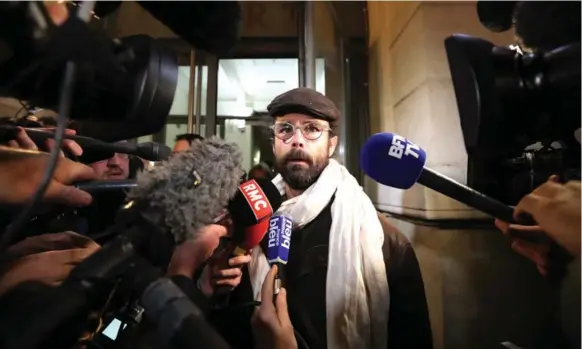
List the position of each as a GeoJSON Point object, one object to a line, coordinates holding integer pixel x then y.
{"type": "Point", "coordinates": [244, 90]}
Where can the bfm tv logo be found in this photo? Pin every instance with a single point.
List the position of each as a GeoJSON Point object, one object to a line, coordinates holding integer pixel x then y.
{"type": "Point", "coordinates": [402, 146]}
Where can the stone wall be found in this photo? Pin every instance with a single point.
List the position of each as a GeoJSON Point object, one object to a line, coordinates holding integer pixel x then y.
{"type": "Point", "coordinates": [479, 292]}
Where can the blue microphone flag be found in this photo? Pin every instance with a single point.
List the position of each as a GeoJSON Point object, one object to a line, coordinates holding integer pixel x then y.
{"type": "Point", "coordinates": [279, 238]}
{"type": "Point", "coordinates": [392, 160]}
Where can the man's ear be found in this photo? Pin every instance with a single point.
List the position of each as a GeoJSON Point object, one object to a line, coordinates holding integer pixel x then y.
{"type": "Point", "coordinates": [332, 144]}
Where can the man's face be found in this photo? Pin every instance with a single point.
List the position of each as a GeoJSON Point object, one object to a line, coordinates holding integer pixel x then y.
{"type": "Point", "coordinates": [116, 167]}
{"type": "Point", "coordinates": [301, 155]}
{"type": "Point", "coordinates": [181, 145]}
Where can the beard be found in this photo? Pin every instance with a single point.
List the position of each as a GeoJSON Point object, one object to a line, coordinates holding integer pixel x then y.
{"type": "Point", "coordinates": [299, 176]}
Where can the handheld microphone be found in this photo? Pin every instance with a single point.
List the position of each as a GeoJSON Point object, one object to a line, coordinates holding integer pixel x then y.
{"type": "Point", "coordinates": [94, 149]}
{"type": "Point", "coordinates": [106, 185]}
{"type": "Point", "coordinates": [394, 161]}
{"type": "Point", "coordinates": [250, 209]}
{"type": "Point", "coordinates": [278, 244]}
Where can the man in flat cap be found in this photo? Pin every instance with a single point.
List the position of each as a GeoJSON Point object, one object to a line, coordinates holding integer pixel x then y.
{"type": "Point", "coordinates": [349, 270]}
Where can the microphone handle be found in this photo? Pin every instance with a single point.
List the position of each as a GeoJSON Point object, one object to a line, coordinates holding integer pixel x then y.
{"type": "Point", "coordinates": [279, 279]}
{"type": "Point", "coordinates": [106, 185]}
{"type": "Point", "coordinates": [38, 135]}
{"type": "Point", "coordinates": [479, 201]}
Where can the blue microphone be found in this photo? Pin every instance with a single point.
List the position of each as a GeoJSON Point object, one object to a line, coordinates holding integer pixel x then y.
{"type": "Point", "coordinates": [394, 161]}
{"type": "Point", "coordinates": [278, 243]}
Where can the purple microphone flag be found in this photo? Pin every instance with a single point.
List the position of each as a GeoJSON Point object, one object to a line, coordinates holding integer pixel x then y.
{"type": "Point", "coordinates": [279, 239]}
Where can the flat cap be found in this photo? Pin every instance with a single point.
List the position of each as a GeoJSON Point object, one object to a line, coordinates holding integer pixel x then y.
{"type": "Point", "coordinates": [306, 101]}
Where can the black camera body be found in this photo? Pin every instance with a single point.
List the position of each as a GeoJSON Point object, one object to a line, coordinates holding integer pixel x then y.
{"type": "Point", "coordinates": [519, 111]}
{"type": "Point", "coordinates": [129, 80]}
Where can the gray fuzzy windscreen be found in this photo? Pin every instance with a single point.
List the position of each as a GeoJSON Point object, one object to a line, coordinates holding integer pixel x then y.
{"type": "Point", "coordinates": [170, 187]}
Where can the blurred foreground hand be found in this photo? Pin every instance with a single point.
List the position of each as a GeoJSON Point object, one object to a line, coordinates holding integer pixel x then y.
{"type": "Point", "coordinates": [21, 171]}
{"type": "Point", "coordinates": [47, 258]}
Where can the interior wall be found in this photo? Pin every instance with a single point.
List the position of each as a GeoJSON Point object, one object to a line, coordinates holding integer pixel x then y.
{"type": "Point", "coordinates": [259, 19]}
{"type": "Point", "coordinates": [479, 292]}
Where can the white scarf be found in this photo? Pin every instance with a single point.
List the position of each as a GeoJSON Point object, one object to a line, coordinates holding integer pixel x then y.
{"type": "Point", "coordinates": [357, 299]}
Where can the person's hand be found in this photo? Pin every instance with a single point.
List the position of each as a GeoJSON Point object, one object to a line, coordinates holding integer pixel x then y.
{"type": "Point", "coordinates": [191, 254]}
{"type": "Point", "coordinates": [68, 144]}
{"type": "Point", "coordinates": [220, 273]}
{"type": "Point", "coordinates": [43, 263]}
{"type": "Point", "coordinates": [556, 209]}
{"type": "Point", "coordinates": [23, 141]}
{"type": "Point", "coordinates": [539, 253]}
{"type": "Point", "coordinates": [57, 11]}
{"type": "Point", "coordinates": [272, 328]}
{"type": "Point", "coordinates": [21, 172]}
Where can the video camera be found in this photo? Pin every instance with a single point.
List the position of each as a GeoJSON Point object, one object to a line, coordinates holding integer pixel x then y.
{"type": "Point", "coordinates": [123, 87]}
{"type": "Point", "coordinates": [106, 89]}
{"type": "Point", "coordinates": [519, 106]}
{"type": "Point", "coordinates": [123, 81]}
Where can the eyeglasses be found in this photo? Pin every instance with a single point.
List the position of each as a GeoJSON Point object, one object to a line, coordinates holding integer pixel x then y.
{"type": "Point", "coordinates": [311, 131]}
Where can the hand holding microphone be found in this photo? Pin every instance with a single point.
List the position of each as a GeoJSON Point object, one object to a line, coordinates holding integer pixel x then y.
{"type": "Point", "coordinates": [556, 207]}
{"type": "Point", "coordinates": [250, 210]}
{"type": "Point", "coordinates": [220, 275]}
{"type": "Point", "coordinates": [22, 140]}
{"type": "Point", "coordinates": [272, 327]}
{"type": "Point", "coordinates": [190, 255]}
{"type": "Point", "coordinates": [394, 161]}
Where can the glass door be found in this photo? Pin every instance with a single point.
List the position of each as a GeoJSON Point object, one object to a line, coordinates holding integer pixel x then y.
{"type": "Point", "coordinates": [194, 106]}
{"type": "Point", "coordinates": [245, 89]}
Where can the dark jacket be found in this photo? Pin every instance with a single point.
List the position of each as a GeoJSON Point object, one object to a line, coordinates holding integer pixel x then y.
{"type": "Point", "coordinates": [409, 324]}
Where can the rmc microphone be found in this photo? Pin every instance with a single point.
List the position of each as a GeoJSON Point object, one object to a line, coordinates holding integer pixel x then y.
{"type": "Point", "coordinates": [250, 209]}
{"type": "Point", "coordinates": [394, 161]}
{"type": "Point", "coordinates": [278, 244]}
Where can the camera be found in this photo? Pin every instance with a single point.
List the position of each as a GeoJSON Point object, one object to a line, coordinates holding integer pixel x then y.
{"type": "Point", "coordinates": [128, 80]}
{"type": "Point", "coordinates": [519, 107]}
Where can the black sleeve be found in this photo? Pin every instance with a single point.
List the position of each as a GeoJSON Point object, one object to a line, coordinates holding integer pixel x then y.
{"type": "Point", "coordinates": [188, 286]}
{"type": "Point", "coordinates": [409, 323]}
{"type": "Point", "coordinates": [233, 322]}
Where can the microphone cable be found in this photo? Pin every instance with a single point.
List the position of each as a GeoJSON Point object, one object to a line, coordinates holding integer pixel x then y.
{"type": "Point", "coordinates": [64, 109]}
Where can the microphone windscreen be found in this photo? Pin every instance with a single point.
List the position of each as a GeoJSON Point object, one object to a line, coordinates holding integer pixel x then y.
{"type": "Point", "coordinates": [191, 188]}
{"type": "Point", "coordinates": [279, 239]}
{"type": "Point", "coordinates": [254, 201]}
{"type": "Point", "coordinates": [392, 160]}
